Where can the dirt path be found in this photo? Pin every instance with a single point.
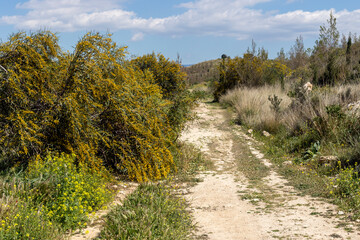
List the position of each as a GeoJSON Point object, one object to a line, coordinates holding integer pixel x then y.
{"type": "Point", "coordinates": [228, 205]}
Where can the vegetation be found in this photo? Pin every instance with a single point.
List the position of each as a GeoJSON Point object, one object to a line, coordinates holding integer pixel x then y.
{"type": "Point", "coordinates": [70, 120]}
{"type": "Point", "coordinates": [200, 72]}
{"type": "Point", "coordinates": [92, 103]}
{"type": "Point", "coordinates": [151, 212]}
{"type": "Point", "coordinates": [250, 70]}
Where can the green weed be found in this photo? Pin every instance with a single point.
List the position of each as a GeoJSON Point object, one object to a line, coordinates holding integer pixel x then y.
{"type": "Point", "coordinates": [151, 212]}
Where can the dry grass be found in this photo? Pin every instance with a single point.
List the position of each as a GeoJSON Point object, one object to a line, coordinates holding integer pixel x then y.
{"type": "Point", "coordinates": [253, 107]}
{"type": "Point", "coordinates": [313, 104]}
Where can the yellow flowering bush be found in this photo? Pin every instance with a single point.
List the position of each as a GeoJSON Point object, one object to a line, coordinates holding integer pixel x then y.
{"type": "Point", "coordinates": [69, 192]}
{"type": "Point", "coordinates": [92, 103]}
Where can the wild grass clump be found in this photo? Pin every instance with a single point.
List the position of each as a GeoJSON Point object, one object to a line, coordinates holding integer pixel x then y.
{"type": "Point", "coordinates": [298, 118]}
{"type": "Point", "coordinates": [151, 212]}
{"type": "Point", "coordinates": [253, 107]}
{"type": "Point", "coordinates": [189, 161]}
{"type": "Point", "coordinates": [322, 105]}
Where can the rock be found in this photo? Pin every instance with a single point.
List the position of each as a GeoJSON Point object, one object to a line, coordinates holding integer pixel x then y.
{"type": "Point", "coordinates": [331, 160]}
{"type": "Point", "coordinates": [266, 134]}
{"type": "Point", "coordinates": [287, 163]}
{"type": "Point", "coordinates": [308, 87]}
{"type": "Point", "coordinates": [341, 213]}
{"type": "Point", "coordinates": [354, 108]}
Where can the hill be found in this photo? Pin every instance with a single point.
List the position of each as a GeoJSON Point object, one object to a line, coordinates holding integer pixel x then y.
{"type": "Point", "coordinates": [203, 71]}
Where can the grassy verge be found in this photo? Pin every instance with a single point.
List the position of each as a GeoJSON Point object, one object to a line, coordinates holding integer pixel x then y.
{"type": "Point", "coordinates": [189, 161]}
{"type": "Point", "coordinates": [151, 212]}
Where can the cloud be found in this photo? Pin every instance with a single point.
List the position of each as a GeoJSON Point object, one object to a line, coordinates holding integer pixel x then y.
{"type": "Point", "coordinates": [231, 18]}
{"type": "Point", "coordinates": [137, 37]}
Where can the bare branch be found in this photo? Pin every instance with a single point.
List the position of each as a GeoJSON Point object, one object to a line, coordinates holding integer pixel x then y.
{"type": "Point", "coordinates": [3, 69]}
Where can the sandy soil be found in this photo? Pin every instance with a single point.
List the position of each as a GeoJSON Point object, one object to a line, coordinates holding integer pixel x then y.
{"type": "Point", "coordinates": [216, 201]}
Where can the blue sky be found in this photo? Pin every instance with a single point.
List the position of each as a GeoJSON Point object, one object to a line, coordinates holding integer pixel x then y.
{"type": "Point", "coordinates": [196, 29]}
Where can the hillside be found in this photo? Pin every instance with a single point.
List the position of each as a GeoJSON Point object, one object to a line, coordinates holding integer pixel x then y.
{"type": "Point", "coordinates": [203, 71]}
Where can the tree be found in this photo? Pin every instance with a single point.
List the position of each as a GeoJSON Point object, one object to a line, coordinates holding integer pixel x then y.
{"type": "Point", "coordinates": [348, 50]}
{"type": "Point", "coordinates": [325, 59]}
{"type": "Point", "coordinates": [329, 35]}
{"type": "Point", "coordinates": [297, 54]}
{"type": "Point", "coordinates": [281, 56]}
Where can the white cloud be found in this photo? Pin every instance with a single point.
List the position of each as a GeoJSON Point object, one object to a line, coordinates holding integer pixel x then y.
{"type": "Point", "coordinates": [233, 18]}
{"type": "Point", "coordinates": [137, 37]}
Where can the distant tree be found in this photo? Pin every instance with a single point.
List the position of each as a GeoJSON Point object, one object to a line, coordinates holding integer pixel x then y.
{"type": "Point", "coordinates": [326, 59]}
{"type": "Point", "coordinates": [297, 54]}
{"type": "Point", "coordinates": [348, 50]}
{"type": "Point", "coordinates": [178, 59]}
{"type": "Point", "coordinates": [263, 54]}
{"type": "Point", "coordinates": [281, 56]}
{"type": "Point", "coordinates": [252, 51]}
{"type": "Point", "coordinates": [329, 35]}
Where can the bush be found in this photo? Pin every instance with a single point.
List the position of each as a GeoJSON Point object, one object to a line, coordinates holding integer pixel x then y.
{"type": "Point", "coordinates": [91, 103]}
{"type": "Point", "coordinates": [167, 74]}
{"type": "Point", "coordinates": [248, 71]}
{"type": "Point", "coordinates": [68, 192]}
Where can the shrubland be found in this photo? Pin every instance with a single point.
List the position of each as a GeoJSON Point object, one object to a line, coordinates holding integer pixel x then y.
{"type": "Point", "coordinates": [70, 121]}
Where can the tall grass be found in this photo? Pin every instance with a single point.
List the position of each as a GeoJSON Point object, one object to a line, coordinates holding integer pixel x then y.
{"type": "Point", "coordinates": [253, 107]}
{"type": "Point", "coordinates": [306, 106]}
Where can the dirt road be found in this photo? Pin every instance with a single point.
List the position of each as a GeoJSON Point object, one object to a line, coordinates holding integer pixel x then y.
{"type": "Point", "coordinates": [228, 204]}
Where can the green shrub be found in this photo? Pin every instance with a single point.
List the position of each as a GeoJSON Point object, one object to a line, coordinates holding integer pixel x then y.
{"type": "Point", "coordinates": [248, 71]}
